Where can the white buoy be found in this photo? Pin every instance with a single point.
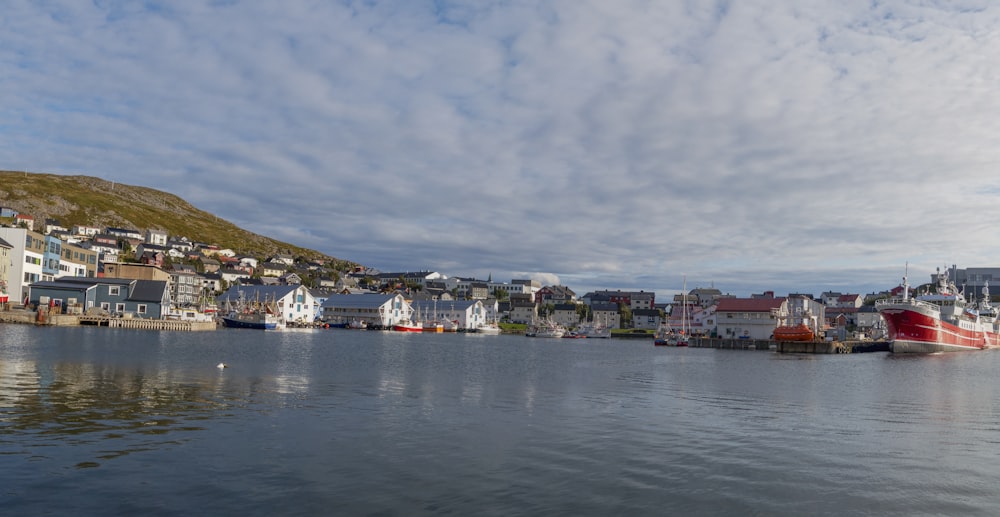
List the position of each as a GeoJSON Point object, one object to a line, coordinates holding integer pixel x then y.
{"type": "Point", "coordinates": [223, 365]}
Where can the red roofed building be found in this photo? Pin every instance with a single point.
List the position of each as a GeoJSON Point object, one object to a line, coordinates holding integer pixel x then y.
{"type": "Point", "coordinates": [748, 318]}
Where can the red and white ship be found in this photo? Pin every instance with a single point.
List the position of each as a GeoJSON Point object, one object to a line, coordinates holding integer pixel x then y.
{"type": "Point", "coordinates": [939, 322]}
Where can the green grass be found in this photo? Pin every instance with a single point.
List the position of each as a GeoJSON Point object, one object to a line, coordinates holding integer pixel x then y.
{"type": "Point", "coordinates": [86, 200]}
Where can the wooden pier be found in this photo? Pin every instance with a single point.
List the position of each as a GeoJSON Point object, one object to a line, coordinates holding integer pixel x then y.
{"type": "Point", "coordinates": [146, 324]}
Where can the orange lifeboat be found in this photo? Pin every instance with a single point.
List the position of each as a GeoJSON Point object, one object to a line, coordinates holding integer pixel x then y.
{"type": "Point", "coordinates": [800, 332]}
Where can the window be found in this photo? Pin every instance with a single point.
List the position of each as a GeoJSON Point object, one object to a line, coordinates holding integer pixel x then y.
{"type": "Point", "coordinates": [119, 308]}
{"type": "Point", "coordinates": [106, 306]}
{"type": "Point", "coordinates": [114, 290]}
{"type": "Point", "coordinates": [141, 309]}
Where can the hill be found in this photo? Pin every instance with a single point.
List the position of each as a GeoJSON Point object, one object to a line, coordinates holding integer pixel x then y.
{"type": "Point", "coordinates": [85, 200]}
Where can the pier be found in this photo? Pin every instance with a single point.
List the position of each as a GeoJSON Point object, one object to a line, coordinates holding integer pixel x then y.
{"type": "Point", "coordinates": [793, 347]}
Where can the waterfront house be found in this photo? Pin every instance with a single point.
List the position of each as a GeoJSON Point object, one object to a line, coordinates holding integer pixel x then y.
{"type": "Point", "coordinates": [377, 310]}
{"type": "Point", "coordinates": [565, 314]}
{"type": "Point", "coordinates": [606, 314]}
{"type": "Point", "coordinates": [648, 319]}
{"type": "Point", "coordinates": [522, 311]}
{"type": "Point", "coordinates": [116, 296]}
{"type": "Point", "coordinates": [466, 314]}
{"type": "Point", "coordinates": [26, 257]}
{"type": "Point", "coordinates": [5, 253]}
{"type": "Point", "coordinates": [748, 318]}
{"type": "Point", "coordinates": [293, 302]}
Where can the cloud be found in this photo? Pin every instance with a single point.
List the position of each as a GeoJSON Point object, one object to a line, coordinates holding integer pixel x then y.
{"type": "Point", "coordinates": [756, 145]}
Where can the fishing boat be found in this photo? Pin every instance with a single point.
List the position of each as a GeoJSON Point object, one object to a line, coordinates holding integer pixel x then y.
{"type": "Point", "coordinates": [795, 324]}
{"type": "Point", "coordinates": [408, 326]}
{"type": "Point", "coordinates": [592, 330]}
{"type": "Point", "coordinates": [666, 335]}
{"type": "Point", "coordinates": [545, 328]}
{"type": "Point", "coordinates": [253, 315]}
{"type": "Point", "coordinates": [942, 321]}
{"type": "Point", "coordinates": [488, 328]}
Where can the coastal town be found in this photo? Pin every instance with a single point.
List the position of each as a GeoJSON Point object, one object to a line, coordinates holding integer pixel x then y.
{"type": "Point", "coordinates": [108, 274]}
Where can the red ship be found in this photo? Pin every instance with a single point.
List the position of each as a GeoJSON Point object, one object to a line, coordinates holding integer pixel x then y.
{"type": "Point", "coordinates": [939, 322]}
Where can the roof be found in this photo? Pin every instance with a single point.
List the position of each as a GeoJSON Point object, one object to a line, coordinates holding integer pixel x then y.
{"type": "Point", "coordinates": [749, 304]}
{"type": "Point", "coordinates": [604, 307]}
{"type": "Point", "coordinates": [358, 301]}
{"type": "Point", "coordinates": [68, 286]}
{"type": "Point", "coordinates": [444, 304]}
{"type": "Point", "coordinates": [5, 244]}
{"type": "Point", "coordinates": [148, 291]}
{"type": "Point", "coordinates": [253, 292]}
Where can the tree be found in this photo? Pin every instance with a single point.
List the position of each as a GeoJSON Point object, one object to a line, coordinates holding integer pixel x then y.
{"type": "Point", "coordinates": [626, 313]}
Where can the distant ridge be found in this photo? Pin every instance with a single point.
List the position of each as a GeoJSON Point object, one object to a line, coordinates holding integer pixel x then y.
{"type": "Point", "coordinates": [86, 200]}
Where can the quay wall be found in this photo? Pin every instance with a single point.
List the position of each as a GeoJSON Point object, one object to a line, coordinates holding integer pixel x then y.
{"type": "Point", "coordinates": [72, 320]}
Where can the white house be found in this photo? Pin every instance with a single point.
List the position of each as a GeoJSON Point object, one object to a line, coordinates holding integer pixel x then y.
{"type": "Point", "coordinates": [156, 237]}
{"type": "Point", "coordinates": [748, 318]}
{"type": "Point", "coordinates": [294, 302]}
{"type": "Point", "coordinates": [26, 258]}
{"type": "Point", "coordinates": [468, 314]}
{"type": "Point", "coordinates": [377, 310]}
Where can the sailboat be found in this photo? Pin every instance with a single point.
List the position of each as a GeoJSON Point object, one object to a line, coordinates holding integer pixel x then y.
{"type": "Point", "coordinates": [682, 339]}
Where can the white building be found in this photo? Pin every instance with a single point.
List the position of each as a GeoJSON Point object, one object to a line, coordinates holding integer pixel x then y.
{"type": "Point", "coordinates": [295, 303]}
{"type": "Point", "coordinates": [467, 314]}
{"type": "Point", "coordinates": [156, 237]}
{"type": "Point", "coordinates": [26, 257]}
{"type": "Point", "coordinates": [377, 310]}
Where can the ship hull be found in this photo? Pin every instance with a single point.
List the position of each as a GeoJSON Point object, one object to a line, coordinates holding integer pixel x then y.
{"type": "Point", "coordinates": [917, 329]}
{"type": "Point", "coordinates": [243, 323]}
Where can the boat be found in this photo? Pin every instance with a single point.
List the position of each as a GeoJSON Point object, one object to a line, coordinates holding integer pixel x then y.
{"type": "Point", "coordinates": [942, 321]}
{"type": "Point", "coordinates": [358, 325]}
{"type": "Point", "coordinates": [797, 332]}
{"type": "Point", "coordinates": [593, 330]}
{"type": "Point", "coordinates": [433, 326]}
{"type": "Point", "coordinates": [488, 328]}
{"type": "Point", "coordinates": [408, 326]}
{"type": "Point", "coordinates": [188, 314]}
{"type": "Point", "coordinates": [795, 325]}
{"type": "Point", "coordinates": [545, 328]}
{"type": "Point", "coordinates": [666, 335]}
{"type": "Point", "coordinates": [253, 320]}
{"type": "Point", "coordinates": [253, 315]}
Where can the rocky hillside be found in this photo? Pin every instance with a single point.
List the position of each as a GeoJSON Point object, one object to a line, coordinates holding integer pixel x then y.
{"type": "Point", "coordinates": [86, 200]}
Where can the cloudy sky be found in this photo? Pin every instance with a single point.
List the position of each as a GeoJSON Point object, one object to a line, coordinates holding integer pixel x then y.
{"type": "Point", "coordinates": [751, 145]}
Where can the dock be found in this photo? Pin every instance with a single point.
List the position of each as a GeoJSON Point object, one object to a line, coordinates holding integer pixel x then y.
{"type": "Point", "coordinates": [72, 320]}
{"type": "Point", "coordinates": [793, 347]}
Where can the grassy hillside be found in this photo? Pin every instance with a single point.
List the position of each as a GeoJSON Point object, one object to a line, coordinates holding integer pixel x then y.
{"type": "Point", "coordinates": [86, 200]}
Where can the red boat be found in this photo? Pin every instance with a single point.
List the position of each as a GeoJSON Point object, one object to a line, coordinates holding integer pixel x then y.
{"type": "Point", "coordinates": [940, 322]}
{"type": "Point", "coordinates": [408, 326]}
{"type": "Point", "coordinates": [800, 332]}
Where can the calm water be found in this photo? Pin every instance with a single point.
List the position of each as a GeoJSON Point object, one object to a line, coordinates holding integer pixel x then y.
{"type": "Point", "coordinates": [339, 422]}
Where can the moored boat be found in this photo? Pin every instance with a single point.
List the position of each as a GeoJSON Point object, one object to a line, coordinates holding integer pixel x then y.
{"type": "Point", "coordinates": [939, 322]}
{"type": "Point", "coordinates": [799, 332]}
{"type": "Point", "coordinates": [545, 328]}
{"type": "Point", "coordinates": [408, 326]}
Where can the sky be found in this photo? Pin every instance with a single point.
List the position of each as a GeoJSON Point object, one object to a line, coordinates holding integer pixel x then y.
{"type": "Point", "coordinates": [747, 145]}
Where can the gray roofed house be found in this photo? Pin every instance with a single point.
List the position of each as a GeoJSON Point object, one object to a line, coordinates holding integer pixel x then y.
{"type": "Point", "coordinates": [141, 298]}
{"type": "Point", "coordinates": [377, 310]}
{"type": "Point", "coordinates": [294, 302]}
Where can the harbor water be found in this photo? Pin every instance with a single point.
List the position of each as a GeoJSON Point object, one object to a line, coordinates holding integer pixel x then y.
{"type": "Point", "coordinates": [98, 421]}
